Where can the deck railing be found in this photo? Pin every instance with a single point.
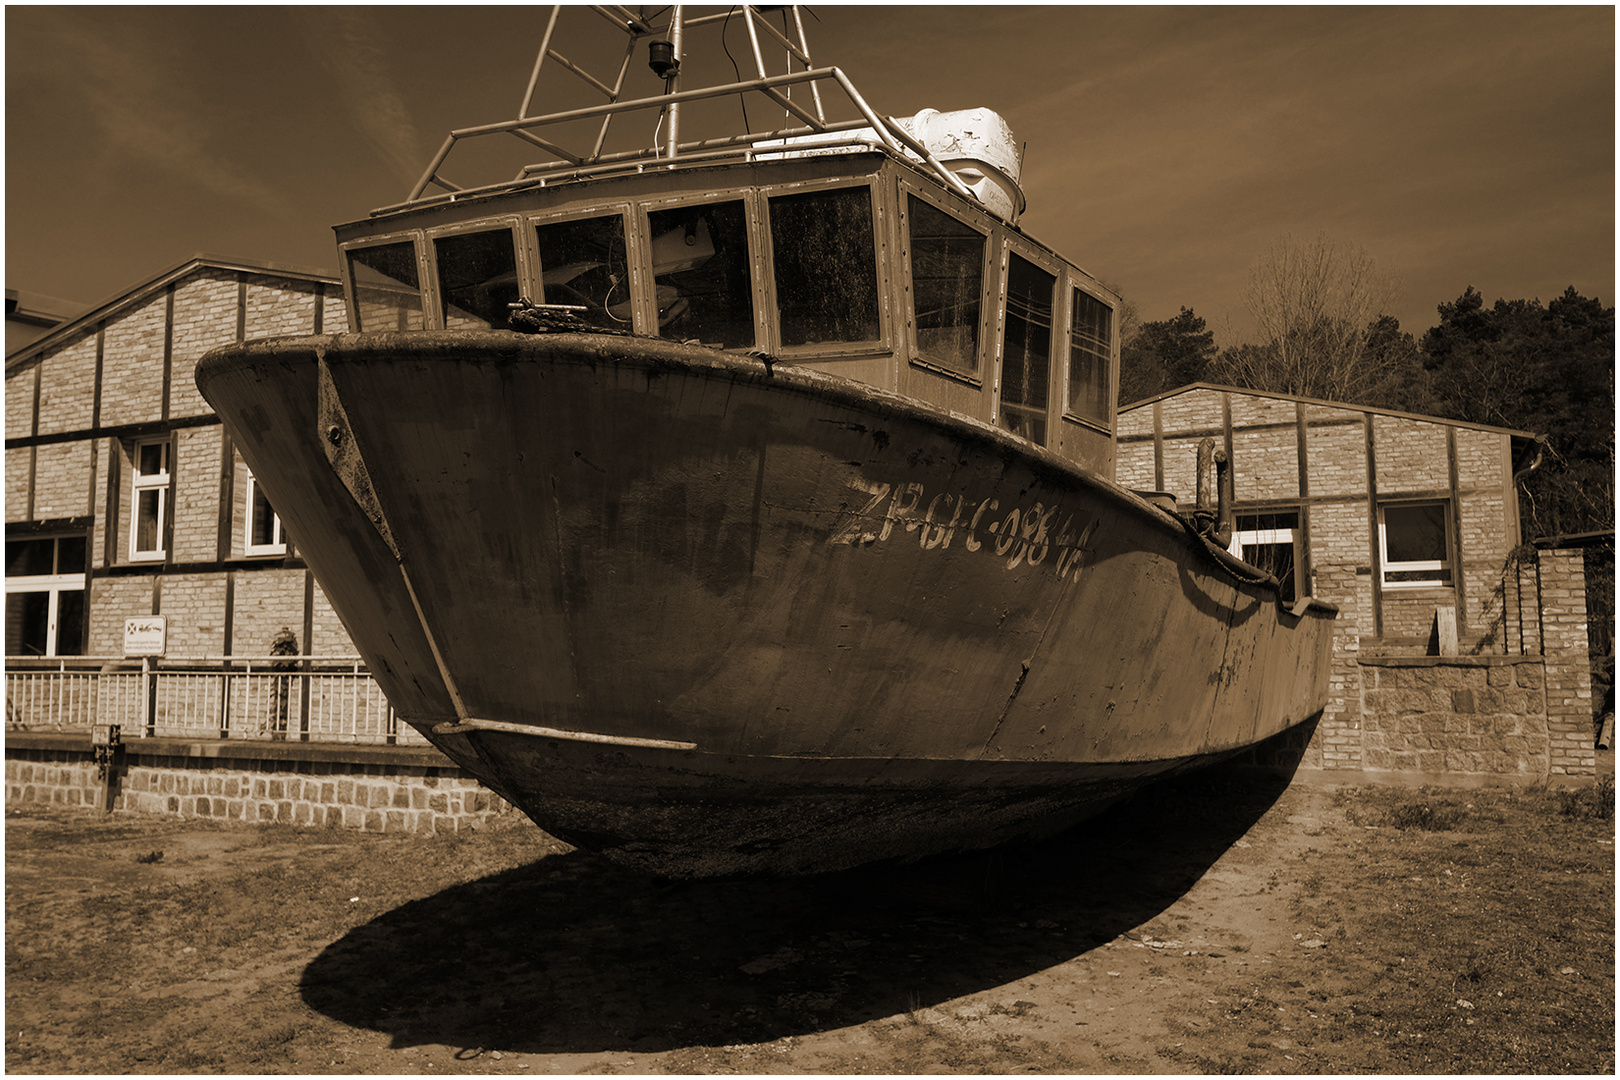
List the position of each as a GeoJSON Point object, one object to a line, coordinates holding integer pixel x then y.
{"type": "Point", "coordinates": [297, 698]}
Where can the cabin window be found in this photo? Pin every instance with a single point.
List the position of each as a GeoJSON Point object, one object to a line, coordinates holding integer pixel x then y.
{"type": "Point", "coordinates": [264, 533]}
{"type": "Point", "coordinates": [1090, 348]}
{"type": "Point", "coordinates": [947, 280]}
{"type": "Point", "coordinates": [1026, 350]}
{"type": "Point", "coordinates": [583, 263]}
{"type": "Point", "coordinates": [149, 503]}
{"type": "Point", "coordinates": [478, 279]}
{"type": "Point", "coordinates": [700, 274]}
{"type": "Point", "coordinates": [45, 602]}
{"type": "Point", "coordinates": [387, 289]}
{"type": "Point", "coordinates": [1273, 541]}
{"type": "Point", "coordinates": [825, 261]}
{"type": "Point", "coordinates": [1412, 542]}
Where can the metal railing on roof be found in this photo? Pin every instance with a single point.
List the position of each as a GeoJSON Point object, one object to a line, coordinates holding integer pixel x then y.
{"type": "Point", "coordinates": [576, 162]}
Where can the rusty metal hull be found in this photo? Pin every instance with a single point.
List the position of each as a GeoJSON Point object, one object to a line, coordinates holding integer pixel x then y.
{"type": "Point", "coordinates": [710, 616]}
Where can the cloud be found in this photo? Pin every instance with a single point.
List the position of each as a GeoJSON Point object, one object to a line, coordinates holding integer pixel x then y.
{"type": "Point", "coordinates": [143, 109]}
{"type": "Point", "coordinates": [349, 47]}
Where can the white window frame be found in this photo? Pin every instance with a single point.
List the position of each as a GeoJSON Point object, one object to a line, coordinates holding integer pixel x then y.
{"type": "Point", "coordinates": [140, 484]}
{"type": "Point", "coordinates": [278, 545]}
{"type": "Point", "coordinates": [1386, 567]}
{"type": "Point", "coordinates": [53, 584]}
{"type": "Point", "coordinates": [1274, 536]}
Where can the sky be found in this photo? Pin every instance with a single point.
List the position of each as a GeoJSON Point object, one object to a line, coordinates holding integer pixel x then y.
{"type": "Point", "coordinates": [1166, 149]}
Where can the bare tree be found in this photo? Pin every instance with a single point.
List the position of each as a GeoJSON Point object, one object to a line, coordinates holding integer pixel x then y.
{"type": "Point", "coordinates": [1316, 306]}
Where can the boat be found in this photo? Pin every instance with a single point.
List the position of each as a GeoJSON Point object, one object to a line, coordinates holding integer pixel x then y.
{"type": "Point", "coordinates": [742, 503]}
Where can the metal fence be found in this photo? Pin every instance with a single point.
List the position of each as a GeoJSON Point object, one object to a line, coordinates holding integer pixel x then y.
{"type": "Point", "coordinates": [299, 698]}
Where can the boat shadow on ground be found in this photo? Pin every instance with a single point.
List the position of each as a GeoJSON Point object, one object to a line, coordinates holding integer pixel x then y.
{"type": "Point", "coordinates": [571, 954]}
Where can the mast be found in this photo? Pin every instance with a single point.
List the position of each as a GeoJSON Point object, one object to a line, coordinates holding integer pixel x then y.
{"type": "Point", "coordinates": [672, 84]}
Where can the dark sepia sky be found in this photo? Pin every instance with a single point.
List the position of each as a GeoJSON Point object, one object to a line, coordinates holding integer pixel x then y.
{"type": "Point", "coordinates": [1166, 148]}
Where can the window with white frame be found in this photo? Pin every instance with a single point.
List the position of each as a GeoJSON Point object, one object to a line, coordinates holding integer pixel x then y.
{"type": "Point", "coordinates": [1413, 544]}
{"type": "Point", "coordinates": [45, 599]}
{"type": "Point", "coordinates": [150, 501]}
{"type": "Point", "coordinates": [1273, 541]}
{"type": "Point", "coordinates": [264, 534]}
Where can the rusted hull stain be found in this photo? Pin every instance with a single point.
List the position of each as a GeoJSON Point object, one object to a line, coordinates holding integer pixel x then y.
{"type": "Point", "coordinates": [769, 620]}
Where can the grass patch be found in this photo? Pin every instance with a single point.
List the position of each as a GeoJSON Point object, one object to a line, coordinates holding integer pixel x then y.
{"type": "Point", "coordinates": [1428, 816]}
{"type": "Point", "coordinates": [1589, 802]}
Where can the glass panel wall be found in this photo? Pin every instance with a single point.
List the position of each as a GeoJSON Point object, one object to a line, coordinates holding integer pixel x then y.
{"type": "Point", "coordinates": [1026, 350]}
{"type": "Point", "coordinates": [584, 263]}
{"type": "Point", "coordinates": [825, 260]}
{"type": "Point", "coordinates": [1090, 347]}
{"type": "Point", "coordinates": [478, 279]}
{"type": "Point", "coordinates": [387, 288]}
{"type": "Point", "coordinates": [947, 282]}
{"type": "Point", "coordinates": [700, 274]}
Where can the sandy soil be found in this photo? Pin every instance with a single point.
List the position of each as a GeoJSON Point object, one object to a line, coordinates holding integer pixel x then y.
{"type": "Point", "coordinates": [1218, 923]}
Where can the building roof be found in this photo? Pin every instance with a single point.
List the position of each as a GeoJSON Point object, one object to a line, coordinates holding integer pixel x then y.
{"type": "Point", "coordinates": [1514, 432]}
{"type": "Point", "coordinates": [141, 292]}
{"type": "Point", "coordinates": [36, 309]}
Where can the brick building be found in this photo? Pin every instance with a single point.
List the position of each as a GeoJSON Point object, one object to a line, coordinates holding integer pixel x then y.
{"type": "Point", "coordinates": [1410, 524]}
{"type": "Point", "coordinates": [124, 495]}
{"type": "Point", "coordinates": [126, 499]}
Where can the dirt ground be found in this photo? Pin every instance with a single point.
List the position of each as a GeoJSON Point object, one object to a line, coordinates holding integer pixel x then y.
{"type": "Point", "coordinates": [1219, 923]}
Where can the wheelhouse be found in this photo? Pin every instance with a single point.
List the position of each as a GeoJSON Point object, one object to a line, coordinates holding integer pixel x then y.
{"type": "Point", "coordinates": [857, 264]}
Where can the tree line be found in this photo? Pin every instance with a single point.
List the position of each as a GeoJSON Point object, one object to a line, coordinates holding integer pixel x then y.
{"type": "Point", "coordinates": [1320, 311]}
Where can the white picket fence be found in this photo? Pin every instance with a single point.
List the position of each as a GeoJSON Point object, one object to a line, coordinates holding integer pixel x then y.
{"type": "Point", "coordinates": [300, 698]}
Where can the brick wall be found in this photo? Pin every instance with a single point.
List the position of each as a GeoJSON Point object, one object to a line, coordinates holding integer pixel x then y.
{"type": "Point", "coordinates": [205, 317]}
{"type": "Point", "coordinates": [193, 606]}
{"type": "Point", "coordinates": [62, 480]}
{"type": "Point", "coordinates": [1411, 455]}
{"type": "Point", "coordinates": [267, 601]}
{"type": "Point", "coordinates": [195, 534]}
{"type": "Point", "coordinates": [17, 475]}
{"type": "Point", "coordinates": [132, 365]}
{"type": "Point", "coordinates": [67, 388]}
{"type": "Point", "coordinates": [201, 308]}
{"type": "Point", "coordinates": [112, 600]}
{"type": "Point", "coordinates": [327, 634]}
{"type": "Point", "coordinates": [1569, 670]}
{"type": "Point", "coordinates": [20, 403]}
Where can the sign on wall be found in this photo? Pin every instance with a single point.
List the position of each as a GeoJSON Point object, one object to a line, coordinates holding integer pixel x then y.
{"type": "Point", "coordinates": [146, 635]}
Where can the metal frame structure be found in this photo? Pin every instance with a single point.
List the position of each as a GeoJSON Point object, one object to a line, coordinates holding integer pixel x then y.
{"type": "Point", "coordinates": [636, 28]}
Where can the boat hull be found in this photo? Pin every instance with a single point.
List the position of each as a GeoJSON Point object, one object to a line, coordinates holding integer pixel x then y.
{"type": "Point", "coordinates": [714, 616]}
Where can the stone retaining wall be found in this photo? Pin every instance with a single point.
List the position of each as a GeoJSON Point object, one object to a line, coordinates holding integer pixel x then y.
{"type": "Point", "coordinates": [316, 788]}
{"type": "Point", "coordinates": [1456, 715]}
